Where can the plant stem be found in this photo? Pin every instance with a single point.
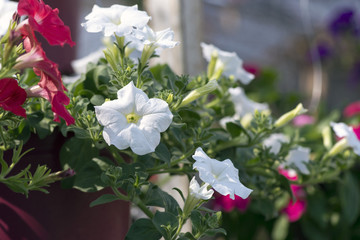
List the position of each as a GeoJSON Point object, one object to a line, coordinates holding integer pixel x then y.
{"type": "Point", "coordinates": [119, 194]}
{"type": "Point", "coordinates": [179, 170]}
{"type": "Point", "coordinates": [173, 163]}
{"type": "Point", "coordinates": [143, 208]}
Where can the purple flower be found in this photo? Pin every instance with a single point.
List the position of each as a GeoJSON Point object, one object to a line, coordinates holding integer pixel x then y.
{"type": "Point", "coordinates": [320, 52]}
{"type": "Point", "coordinates": [344, 21]}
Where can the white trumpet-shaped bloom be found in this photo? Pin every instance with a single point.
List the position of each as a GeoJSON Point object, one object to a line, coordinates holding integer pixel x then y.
{"type": "Point", "coordinates": [344, 131]}
{"type": "Point", "coordinates": [155, 40]}
{"type": "Point", "coordinates": [274, 142]}
{"type": "Point", "coordinates": [243, 105]}
{"type": "Point", "coordinates": [229, 62]}
{"type": "Point", "coordinates": [133, 120]}
{"type": "Point", "coordinates": [200, 192]}
{"type": "Point", "coordinates": [220, 175]}
{"type": "Point", "coordinates": [299, 157]}
{"type": "Point", "coordinates": [117, 19]}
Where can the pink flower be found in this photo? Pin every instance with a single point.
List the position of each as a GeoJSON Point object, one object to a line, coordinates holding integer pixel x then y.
{"type": "Point", "coordinates": [288, 173]}
{"type": "Point", "coordinates": [294, 210]}
{"type": "Point", "coordinates": [12, 96]}
{"type": "Point", "coordinates": [226, 204]}
{"type": "Point", "coordinates": [303, 120]}
{"type": "Point", "coordinates": [45, 20]}
{"type": "Point", "coordinates": [252, 69]}
{"type": "Point", "coordinates": [357, 131]}
{"type": "Point", "coordinates": [51, 84]}
{"type": "Point", "coordinates": [352, 109]}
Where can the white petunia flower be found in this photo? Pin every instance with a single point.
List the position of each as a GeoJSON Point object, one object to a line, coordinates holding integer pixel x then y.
{"type": "Point", "coordinates": [229, 62]}
{"type": "Point", "coordinates": [274, 142]}
{"type": "Point", "coordinates": [161, 39]}
{"type": "Point", "coordinates": [7, 10]}
{"type": "Point", "coordinates": [344, 131]}
{"type": "Point", "coordinates": [133, 120]}
{"type": "Point", "coordinates": [117, 19]}
{"type": "Point", "coordinates": [299, 157]}
{"type": "Point", "coordinates": [200, 192]}
{"type": "Point", "coordinates": [243, 104]}
{"type": "Point", "coordinates": [220, 175]}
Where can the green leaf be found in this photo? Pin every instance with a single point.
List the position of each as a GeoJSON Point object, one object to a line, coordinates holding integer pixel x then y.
{"type": "Point", "coordinates": [106, 198]}
{"type": "Point", "coordinates": [4, 165]}
{"type": "Point", "coordinates": [214, 220]}
{"type": "Point", "coordinates": [213, 232]}
{"type": "Point", "coordinates": [166, 223]}
{"type": "Point", "coordinates": [186, 236]}
{"type": "Point", "coordinates": [157, 197]}
{"type": "Point", "coordinates": [97, 100]}
{"type": "Point", "coordinates": [143, 229]}
{"type": "Point", "coordinates": [234, 129]}
{"type": "Point", "coordinates": [196, 220]}
{"type": "Point", "coordinates": [281, 228]}
{"type": "Point", "coordinates": [349, 198]}
{"type": "Point", "coordinates": [163, 153]}
{"type": "Point", "coordinates": [88, 167]}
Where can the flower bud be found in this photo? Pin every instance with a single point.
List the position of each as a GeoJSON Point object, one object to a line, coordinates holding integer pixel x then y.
{"type": "Point", "coordinates": [326, 134]}
{"type": "Point", "coordinates": [170, 98]}
{"type": "Point", "coordinates": [284, 119]}
{"type": "Point", "coordinates": [201, 91]}
{"type": "Point", "coordinates": [338, 147]}
{"type": "Point", "coordinates": [212, 64]}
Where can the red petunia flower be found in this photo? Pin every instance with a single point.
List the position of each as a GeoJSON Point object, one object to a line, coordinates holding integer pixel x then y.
{"type": "Point", "coordinates": [225, 203]}
{"type": "Point", "coordinates": [352, 109]}
{"type": "Point", "coordinates": [294, 210]}
{"type": "Point", "coordinates": [12, 96]}
{"type": "Point", "coordinates": [50, 83]}
{"type": "Point", "coordinates": [46, 21]}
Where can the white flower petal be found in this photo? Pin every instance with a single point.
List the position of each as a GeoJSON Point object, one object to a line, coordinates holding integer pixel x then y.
{"type": "Point", "coordinates": [230, 62]}
{"type": "Point", "coordinates": [7, 10]}
{"type": "Point", "coordinates": [200, 192]}
{"type": "Point", "coordinates": [222, 176]}
{"type": "Point", "coordinates": [133, 17]}
{"type": "Point", "coordinates": [133, 120]}
{"type": "Point", "coordinates": [136, 139]}
{"type": "Point", "coordinates": [274, 142]}
{"type": "Point", "coordinates": [128, 98]}
{"type": "Point", "coordinates": [342, 130]}
{"type": "Point", "coordinates": [298, 157]}
{"type": "Point", "coordinates": [108, 116]}
{"type": "Point", "coordinates": [243, 105]}
{"type": "Point", "coordinates": [115, 19]}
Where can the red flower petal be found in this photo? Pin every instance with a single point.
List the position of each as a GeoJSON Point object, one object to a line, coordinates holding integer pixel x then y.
{"type": "Point", "coordinates": [352, 109]}
{"type": "Point", "coordinates": [50, 77]}
{"type": "Point", "coordinates": [46, 21]}
{"type": "Point", "coordinates": [12, 96]}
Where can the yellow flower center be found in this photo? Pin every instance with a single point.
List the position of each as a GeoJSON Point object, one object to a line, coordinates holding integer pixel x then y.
{"type": "Point", "coordinates": [132, 118]}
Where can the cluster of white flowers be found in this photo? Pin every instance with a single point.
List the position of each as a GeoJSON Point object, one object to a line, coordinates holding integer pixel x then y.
{"type": "Point", "coordinates": [128, 22]}
{"type": "Point", "coordinates": [297, 157]}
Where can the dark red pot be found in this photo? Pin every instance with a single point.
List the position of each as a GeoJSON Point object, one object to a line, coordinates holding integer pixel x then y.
{"type": "Point", "coordinates": [63, 214]}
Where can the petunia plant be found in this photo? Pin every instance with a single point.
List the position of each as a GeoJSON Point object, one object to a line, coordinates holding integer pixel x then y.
{"type": "Point", "coordinates": [127, 122]}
